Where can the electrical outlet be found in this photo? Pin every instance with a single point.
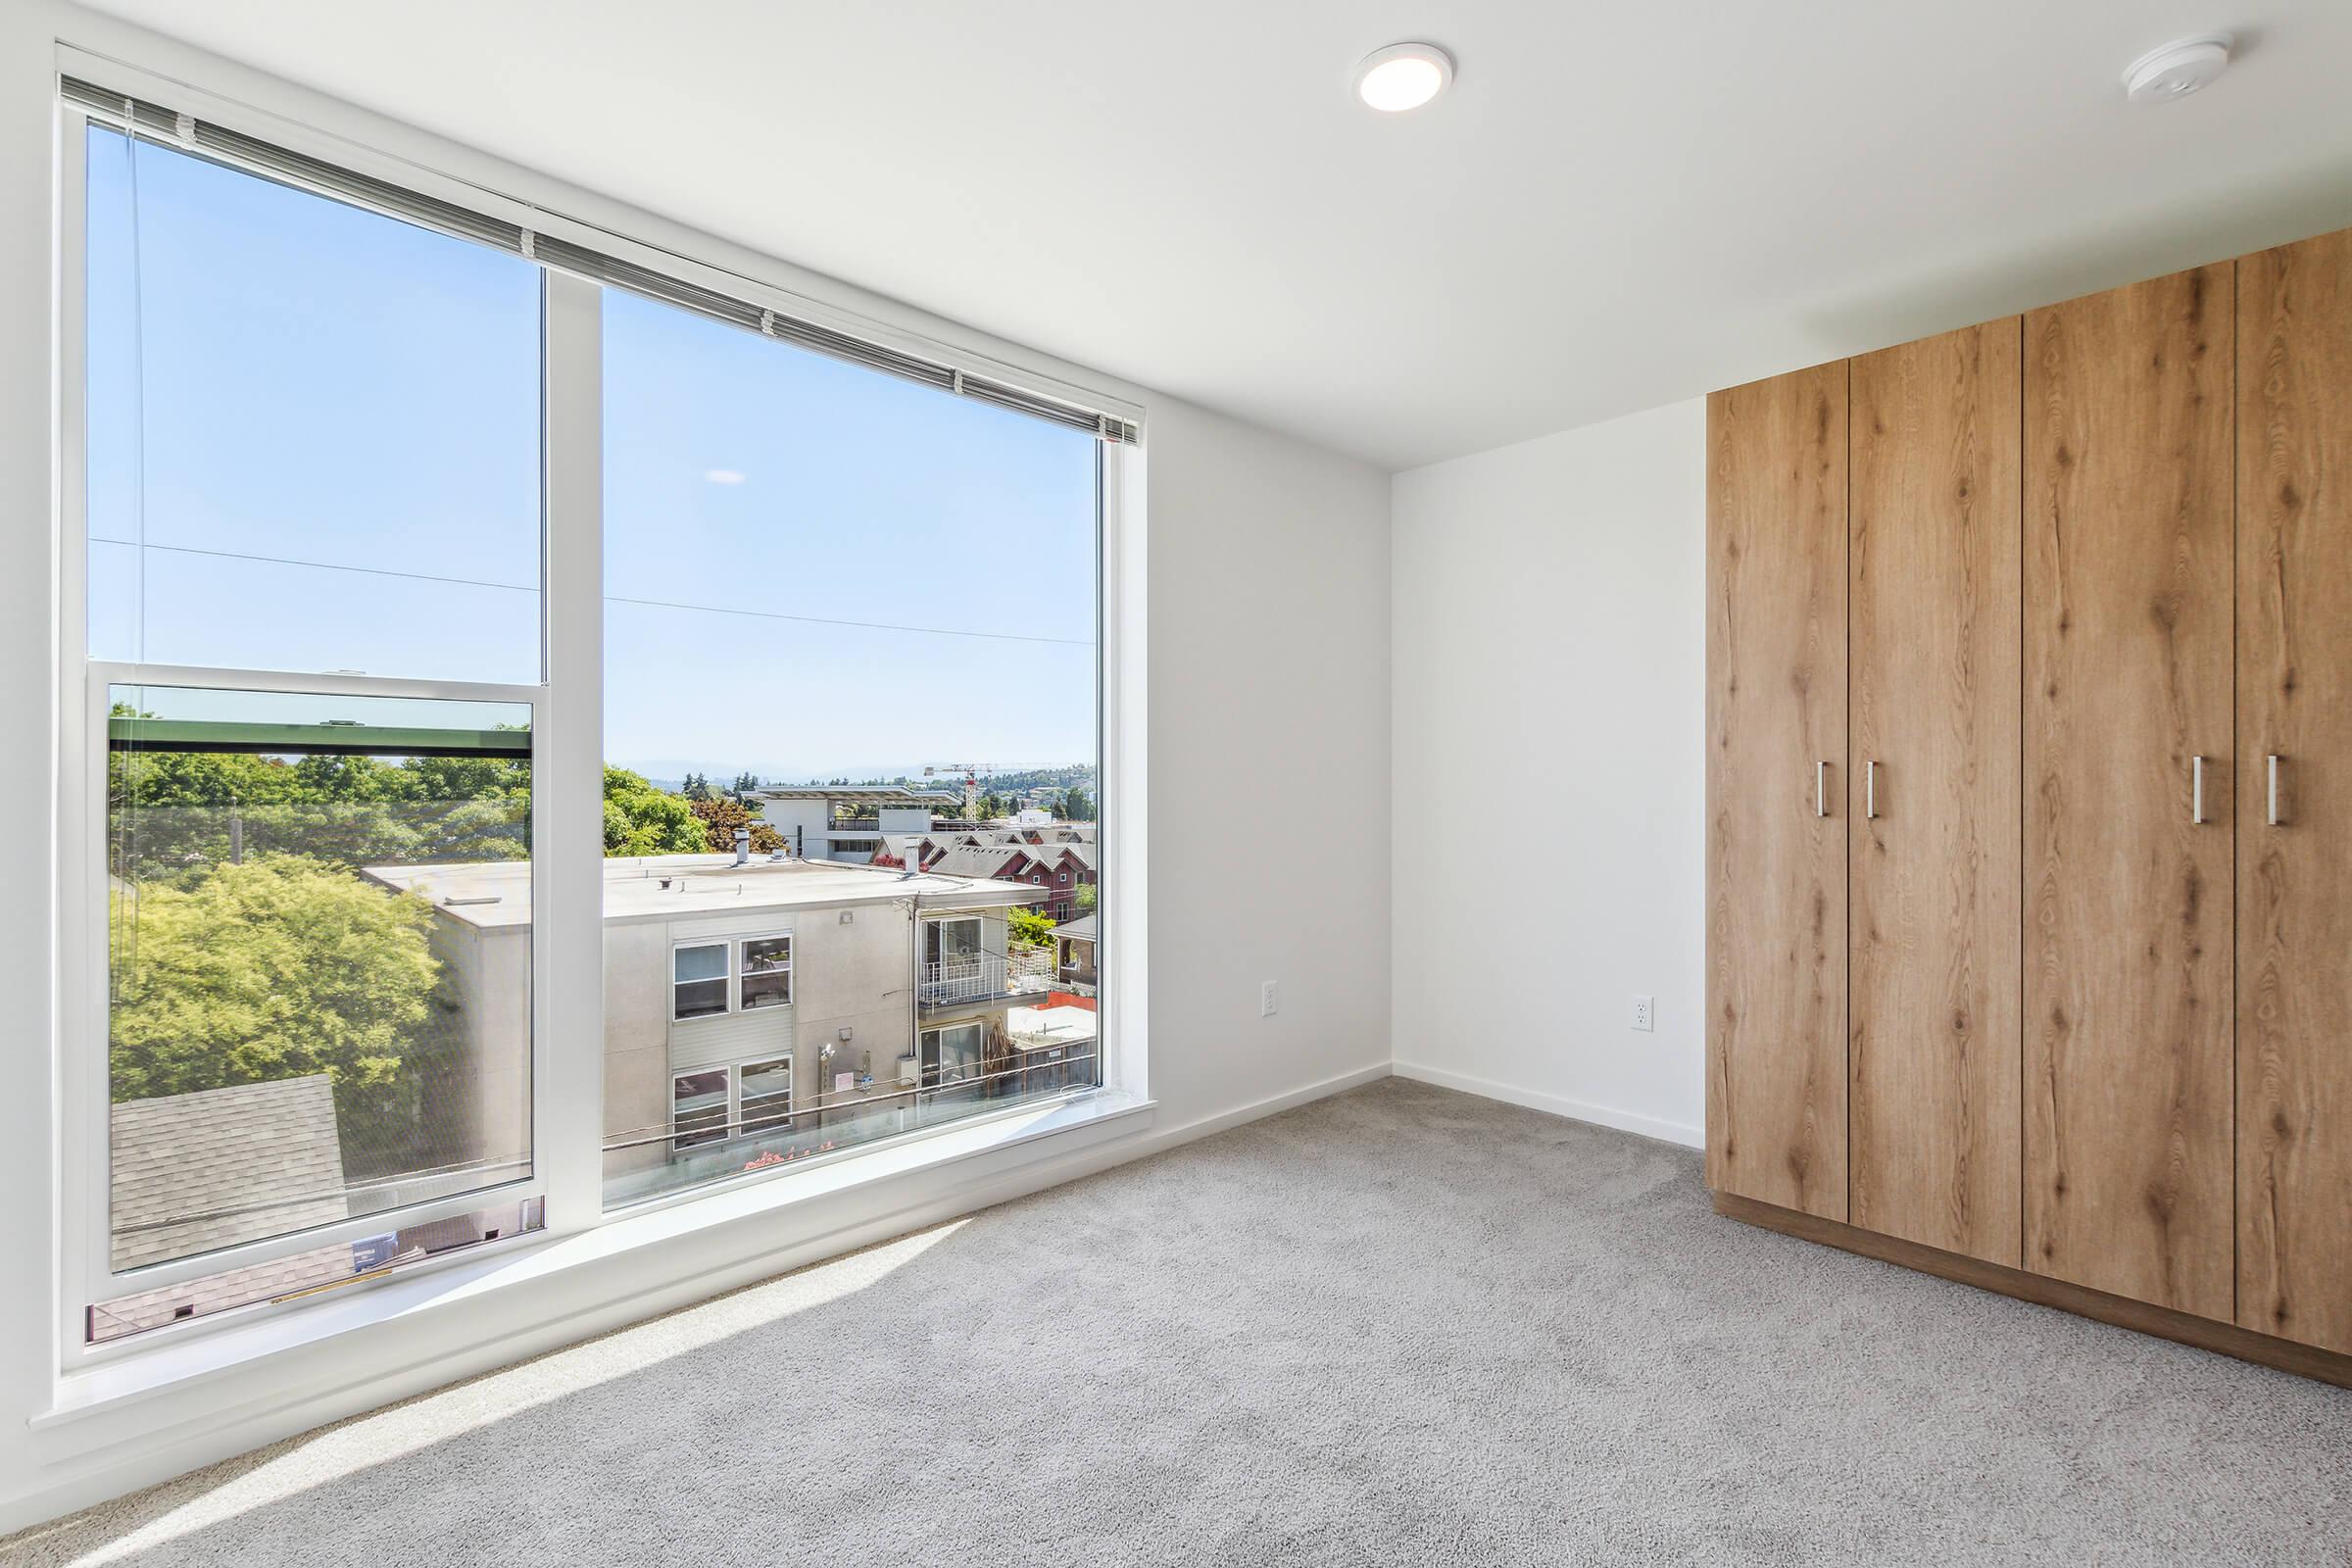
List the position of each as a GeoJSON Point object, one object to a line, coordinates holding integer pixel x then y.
{"type": "Point", "coordinates": [1645, 1013]}
{"type": "Point", "coordinates": [1267, 1002]}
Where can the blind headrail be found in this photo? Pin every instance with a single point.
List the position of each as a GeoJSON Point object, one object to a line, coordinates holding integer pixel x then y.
{"type": "Point", "coordinates": [191, 134]}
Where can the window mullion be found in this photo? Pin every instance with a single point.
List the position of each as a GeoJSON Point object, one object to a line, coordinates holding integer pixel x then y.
{"type": "Point", "coordinates": [567, 949]}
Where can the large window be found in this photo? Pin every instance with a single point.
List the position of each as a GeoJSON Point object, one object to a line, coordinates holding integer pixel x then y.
{"type": "Point", "coordinates": [352, 458]}
{"type": "Point", "coordinates": [311, 436]}
{"type": "Point", "coordinates": [826, 589]}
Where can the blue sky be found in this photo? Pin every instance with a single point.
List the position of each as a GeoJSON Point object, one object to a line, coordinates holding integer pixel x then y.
{"type": "Point", "coordinates": [276, 376]}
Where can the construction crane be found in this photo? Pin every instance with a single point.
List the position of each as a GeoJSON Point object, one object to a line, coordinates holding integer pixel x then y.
{"type": "Point", "coordinates": [972, 773]}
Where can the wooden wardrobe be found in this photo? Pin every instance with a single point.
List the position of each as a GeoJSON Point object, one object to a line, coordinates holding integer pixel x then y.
{"type": "Point", "coordinates": [2030, 804]}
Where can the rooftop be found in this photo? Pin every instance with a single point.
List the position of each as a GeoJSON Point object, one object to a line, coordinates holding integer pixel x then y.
{"type": "Point", "coordinates": [497, 894]}
{"type": "Point", "coordinates": [216, 1167]}
{"type": "Point", "coordinates": [866, 795]}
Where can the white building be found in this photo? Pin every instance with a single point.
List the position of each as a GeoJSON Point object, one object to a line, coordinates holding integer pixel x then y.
{"type": "Point", "coordinates": [749, 1001]}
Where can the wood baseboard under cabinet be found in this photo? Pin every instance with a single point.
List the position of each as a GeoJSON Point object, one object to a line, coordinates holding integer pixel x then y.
{"type": "Point", "coordinates": [2226, 1338]}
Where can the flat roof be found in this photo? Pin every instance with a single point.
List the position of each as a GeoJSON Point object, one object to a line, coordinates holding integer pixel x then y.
{"type": "Point", "coordinates": [885, 793]}
{"type": "Point", "coordinates": [495, 894]}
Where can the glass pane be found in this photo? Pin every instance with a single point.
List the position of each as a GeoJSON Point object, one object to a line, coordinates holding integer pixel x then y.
{"type": "Point", "coordinates": [319, 938]}
{"type": "Point", "coordinates": [767, 972]}
{"type": "Point", "coordinates": [701, 998]}
{"type": "Point", "coordinates": [699, 1108]}
{"type": "Point", "coordinates": [767, 1093]}
{"type": "Point", "coordinates": [299, 405]}
{"type": "Point", "coordinates": [824, 587]}
{"type": "Point", "coordinates": [702, 963]}
{"type": "Point", "coordinates": [305, 1273]}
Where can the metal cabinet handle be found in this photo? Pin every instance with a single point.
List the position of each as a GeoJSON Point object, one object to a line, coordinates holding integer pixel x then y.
{"type": "Point", "coordinates": [1821, 788]}
{"type": "Point", "coordinates": [2273, 789]}
{"type": "Point", "coordinates": [1869, 788]}
{"type": "Point", "coordinates": [2196, 790]}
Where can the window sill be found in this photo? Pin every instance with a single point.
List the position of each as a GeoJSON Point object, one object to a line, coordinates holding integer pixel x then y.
{"type": "Point", "coordinates": [444, 1291]}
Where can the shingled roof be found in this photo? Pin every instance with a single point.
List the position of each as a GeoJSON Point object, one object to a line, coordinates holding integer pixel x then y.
{"type": "Point", "coordinates": [196, 1173]}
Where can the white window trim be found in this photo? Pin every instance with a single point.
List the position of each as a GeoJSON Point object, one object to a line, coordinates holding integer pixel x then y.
{"type": "Point", "coordinates": [742, 961]}
{"type": "Point", "coordinates": [725, 977]}
{"type": "Point", "coordinates": [567, 805]}
{"type": "Point", "coordinates": [700, 1139]}
{"type": "Point", "coordinates": [734, 1070]}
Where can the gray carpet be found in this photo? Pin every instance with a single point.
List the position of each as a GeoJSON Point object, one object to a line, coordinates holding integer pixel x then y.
{"type": "Point", "coordinates": [1399, 1325]}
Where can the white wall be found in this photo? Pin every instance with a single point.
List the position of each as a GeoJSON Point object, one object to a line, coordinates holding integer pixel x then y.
{"type": "Point", "coordinates": [1269, 695]}
{"type": "Point", "coordinates": [1549, 648]}
{"type": "Point", "coordinates": [1268, 603]}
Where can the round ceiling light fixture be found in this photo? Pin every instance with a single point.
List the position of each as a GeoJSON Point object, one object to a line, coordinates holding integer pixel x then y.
{"type": "Point", "coordinates": [2177, 70]}
{"type": "Point", "coordinates": [1403, 76]}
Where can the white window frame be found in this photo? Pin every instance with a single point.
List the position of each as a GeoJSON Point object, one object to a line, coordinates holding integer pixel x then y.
{"type": "Point", "coordinates": [725, 978]}
{"type": "Point", "coordinates": [737, 1124]}
{"type": "Point", "coordinates": [938, 923]}
{"type": "Point", "coordinates": [743, 970]}
{"type": "Point", "coordinates": [939, 1061]}
{"type": "Point", "coordinates": [792, 1094]}
{"type": "Point", "coordinates": [726, 1126]}
{"type": "Point", "coordinates": [568, 1033]}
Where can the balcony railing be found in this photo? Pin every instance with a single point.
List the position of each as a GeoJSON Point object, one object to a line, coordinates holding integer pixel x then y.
{"type": "Point", "coordinates": [987, 977]}
{"type": "Point", "coordinates": [953, 981]}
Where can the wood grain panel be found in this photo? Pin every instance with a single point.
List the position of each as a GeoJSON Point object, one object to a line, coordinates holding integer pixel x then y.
{"type": "Point", "coordinates": [2129, 656]}
{"type": "Point", "coordinates": [1776, 870]}
{"type": "Point", "coordinates": [2294, 880]}
{"type": "Point", "coordinates": [1934, 569]}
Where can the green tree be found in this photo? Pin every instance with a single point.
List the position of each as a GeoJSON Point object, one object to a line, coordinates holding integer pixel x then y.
{"type": "Point", "coordinates": [1029, 928]}
{"type": "Point", "coordinates": [743, 786]}
{"type": "Point", "coordinates": [278, 967]}
{"type": "Point", "coordinates": [1077, 807]}
{"type": "Point", "coordinates": [640, 819]}
{"type": "Point", "coordinates": [720, 815]}
{"type": "Point", "coordinates": [1086, 899]}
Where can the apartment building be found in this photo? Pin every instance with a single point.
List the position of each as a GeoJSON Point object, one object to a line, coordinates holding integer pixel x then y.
{"type": "Point", "coordinates": [755, 1008]}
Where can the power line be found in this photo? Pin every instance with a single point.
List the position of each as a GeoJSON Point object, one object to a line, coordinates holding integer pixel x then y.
{"type": "Point", "coordinates": [609, 599]}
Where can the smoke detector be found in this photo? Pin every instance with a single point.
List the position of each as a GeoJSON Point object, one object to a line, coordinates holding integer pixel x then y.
{"type": "Point", "coordinates": [2177, 70]}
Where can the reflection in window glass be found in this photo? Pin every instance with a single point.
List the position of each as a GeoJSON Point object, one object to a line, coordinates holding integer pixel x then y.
{"type": "Point", "coordinates": [701, 975]}
{"type": "Point", "coordinates": [826, 589]}
{"type": "Point", "coordinates": [318, 922]}
{"type": "Point", "coordinates": [307, 1273]}
{"type": "Point", "coordinates": [298, 404]}
{"type": "Point", "coordinates": [767, 972]}
{"type": "Point", "coordinates": [767, 1093]}
{"type": "Point", "coordinates": [699, 1108]}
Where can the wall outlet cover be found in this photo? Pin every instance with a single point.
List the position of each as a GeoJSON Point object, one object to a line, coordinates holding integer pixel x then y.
{"type": "Point", "coordinates": [1267, 1002]}
{"type": "Point", "coordinates": [1645, 1013]}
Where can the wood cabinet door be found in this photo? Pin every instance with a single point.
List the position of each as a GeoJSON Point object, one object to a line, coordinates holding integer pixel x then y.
{"type": "Point", "coordinates": [1933, 792]}
{"type": "Point", "coordinates": [1776, 764]}
{"type": "Point", "coordinates": [2294, 859]}
{"type": "Point", "coordinates": [2127, 673]}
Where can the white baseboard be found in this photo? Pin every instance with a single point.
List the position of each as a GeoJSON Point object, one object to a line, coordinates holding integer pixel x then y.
{"type": "Point", "coordinates": [1271, 1105]}
{"type": "Point", "coordinates": [1670, 1132]}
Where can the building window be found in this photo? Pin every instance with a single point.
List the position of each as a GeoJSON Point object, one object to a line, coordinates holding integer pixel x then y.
{"type": "Point", "coordinates": [348, 451]}
{"type": "Point", "coordinates": [698, 1108]}
{"type": "Point", "coordinates": [952, 1055]}
{"type": "Point", "coordinates": [952, 941]}
{"type": "Point", "coordinates": [767, 972]}
{"type": "Point", "coordinates": [699, 981]}
{"type": "Point", "coordinates": [767, 1093]}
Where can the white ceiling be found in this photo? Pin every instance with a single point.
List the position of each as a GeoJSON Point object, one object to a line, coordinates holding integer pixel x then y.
{"type": "Point", "coordinates": [1615, 207]}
